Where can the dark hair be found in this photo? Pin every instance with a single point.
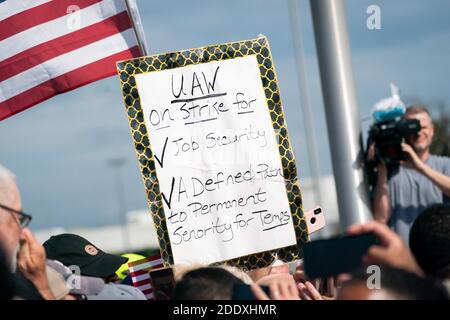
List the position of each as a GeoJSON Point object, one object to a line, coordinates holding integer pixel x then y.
{"type": "Point", "coordinates": [429, 240]}
{"type": "Point", "coordinates": [404, 285]}
{"type": "Point", "coordinates": [210, 283]}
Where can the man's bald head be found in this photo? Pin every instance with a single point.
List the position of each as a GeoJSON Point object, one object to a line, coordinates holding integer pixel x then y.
{"type": "Point", "coordinates": [8, 186]}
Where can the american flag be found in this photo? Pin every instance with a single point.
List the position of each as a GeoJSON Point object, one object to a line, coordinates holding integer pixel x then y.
{"type": "Point", "coordinates": [51, 46]}
{"type": "Point", "coordinates": [139, 271]}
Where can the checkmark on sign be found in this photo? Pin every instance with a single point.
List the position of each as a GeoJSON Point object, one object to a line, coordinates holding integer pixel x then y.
{"type": "Point", "coordinates": [171, 192]}
{"type": "Point", "coordinates": [161, 162]}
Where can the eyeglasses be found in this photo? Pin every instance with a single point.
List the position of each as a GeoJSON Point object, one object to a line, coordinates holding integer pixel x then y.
{"type": "Point", "coordinates": [24, 219]}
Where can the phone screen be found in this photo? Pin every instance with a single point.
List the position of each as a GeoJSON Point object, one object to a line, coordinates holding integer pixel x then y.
{"type": "Point", "coordinates": [163, 283]}
{"type": "Point", "coordinates": [244, 292]}
{"type": "Point", "coordinates": [325, 258]}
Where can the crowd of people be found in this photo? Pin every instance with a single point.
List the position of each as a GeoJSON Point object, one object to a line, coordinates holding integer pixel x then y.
{"type": "Point", "coordinates": [412, 225]}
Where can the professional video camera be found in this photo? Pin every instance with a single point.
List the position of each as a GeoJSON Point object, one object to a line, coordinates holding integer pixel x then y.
{"type": "Point", "coordinates": [390, 129]}
{"type": "Point", "coordinates": [387, 133]}
{"type": "Point", "coordinates": [388, 137]}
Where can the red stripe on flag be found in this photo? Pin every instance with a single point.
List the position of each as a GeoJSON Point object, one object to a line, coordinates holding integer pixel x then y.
{"type": "Point", "coordinates": [34, 16]}
{"type": "Point", "coordinates": [146, 260]}
{"type": "Point", "coordinates": [140, 272]}
{"type": "Point", "coordinates": [71, 80]}
{"type": "Point", "coordinates": [59, 46]}
{"type": "Point", "coordinates": [147, 291]}
{"type": "Point", "coordinates": [142, 282]}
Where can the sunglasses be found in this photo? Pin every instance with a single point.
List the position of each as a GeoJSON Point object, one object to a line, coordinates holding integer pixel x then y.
{"type": "Point", "coordinates": [24, 219]}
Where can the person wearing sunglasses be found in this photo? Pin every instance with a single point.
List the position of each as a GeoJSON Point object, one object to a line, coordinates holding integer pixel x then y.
{"type": "Point", "coordinates": [24, 255]}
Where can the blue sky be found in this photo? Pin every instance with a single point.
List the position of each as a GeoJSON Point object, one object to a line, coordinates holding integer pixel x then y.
{"type": "Point", "coordinates": [60, 148]}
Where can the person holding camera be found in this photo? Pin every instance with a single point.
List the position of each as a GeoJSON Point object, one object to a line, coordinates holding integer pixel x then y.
{"type": "Point", "coordinates": [421, 180]}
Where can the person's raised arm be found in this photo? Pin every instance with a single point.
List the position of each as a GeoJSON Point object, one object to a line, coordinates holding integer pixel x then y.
{"type": "Point", "coordinates": [438, 178]}
{"type": "Point", "coordinates": [381, 199]}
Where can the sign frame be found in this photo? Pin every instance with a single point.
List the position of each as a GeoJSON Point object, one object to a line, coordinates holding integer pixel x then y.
{"type": "Point", "coordinates": [259, 47]}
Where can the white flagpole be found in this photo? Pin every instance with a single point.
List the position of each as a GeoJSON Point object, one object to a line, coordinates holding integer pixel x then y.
{"type": "Point", "coordinates": [341, 110]}
{"type": "Point", "coordinates": [308, 121]}
{"type": "Point", "coordinates": [135, 18]}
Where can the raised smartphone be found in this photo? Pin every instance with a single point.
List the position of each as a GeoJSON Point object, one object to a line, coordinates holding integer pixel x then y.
{"type": "Point", "coordinates": [325, 258]}
{"type": "Point", "coordinates": [244, 292]}
{"type": "Point", "coordinates": [315, 219]}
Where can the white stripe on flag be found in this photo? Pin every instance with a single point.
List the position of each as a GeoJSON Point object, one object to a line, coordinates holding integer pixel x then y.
{"type": "Point", "coordinates": [145, 287]}
{"type": "Point", "coordinates": [59, 27]}
{"type": "Point", "coordinates": [141, 277]}
{"type": "Point", "coordinates": [146, 265]}
{"type": "Point", "coordinates": [12, 7]}
{"type": "Point", "coordinates": [65, 63]}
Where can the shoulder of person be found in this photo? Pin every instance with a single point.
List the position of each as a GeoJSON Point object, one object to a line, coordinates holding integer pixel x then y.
{"type": "Point", "coordinates": [439, 162]}
{"type": "Point", "coordinates": [24, 288]}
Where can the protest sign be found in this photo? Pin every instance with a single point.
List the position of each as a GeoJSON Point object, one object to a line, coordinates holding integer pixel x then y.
{"type": "Point", "coordinates": [214, 153]}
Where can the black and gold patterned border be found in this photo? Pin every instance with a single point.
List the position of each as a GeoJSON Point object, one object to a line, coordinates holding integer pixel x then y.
{"type": "Point", "coordinates": [260, 48]}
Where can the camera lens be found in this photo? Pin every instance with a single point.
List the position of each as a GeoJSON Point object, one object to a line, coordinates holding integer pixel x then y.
{"type": "Point", "coordinates": [313, 220]}
{"type": "Point", "coordinates": [317, 211]}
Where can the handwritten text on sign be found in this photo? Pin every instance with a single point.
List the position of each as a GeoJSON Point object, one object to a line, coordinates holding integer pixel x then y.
{"type": "Point", "coordinates": [217, 160]}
